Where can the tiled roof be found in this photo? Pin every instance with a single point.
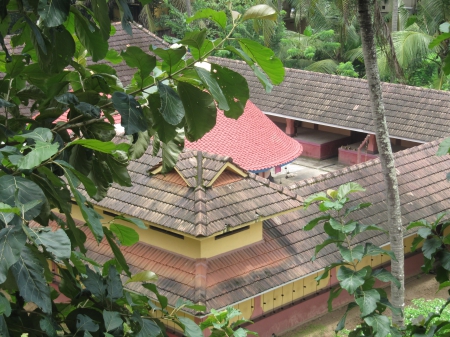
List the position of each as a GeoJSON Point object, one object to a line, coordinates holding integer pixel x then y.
{"type": "Point", "coordinates": [253, 141]}
{"type": "Point", "coordinates": [285, 253]}
{"type": "Point", "coordinates": [412, 113]}
{"type": "Point", "coordinates": [193, 207]}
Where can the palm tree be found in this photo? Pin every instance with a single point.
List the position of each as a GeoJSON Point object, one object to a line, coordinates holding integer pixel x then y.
{"type": "Point", "coordinates": [394, 224]}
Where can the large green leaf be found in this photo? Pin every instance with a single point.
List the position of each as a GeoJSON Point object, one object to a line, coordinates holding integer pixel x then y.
{"type": "Point", "coordinates": [367, 301]}
{"type": "Point", "coordinates": [351, 254]}
{"type": "Point", "coordinates": [85, 323]}
{"type": "Point", "coordinates": [190, 328]}
{"type": "Point", "coordinates": [91, 217]}
{"type": "Point", "coordinates": [235, 88]}
{"type": "Point", "coordinates": [171, 151]}
{"type": "Point", "coordinates": [200, 110]}
{"type": "Point", "coordinates": [90, 37]}
{"type": "Point", "coordinates": [112, 320]}
{"type": "Point", "coordinates": [265, 58]}
{"type": "Point", "coordinates": [194, 39]}
{"type": "Point", "coordinates": [218, 17]}
{"type": "Point", "coordinates": [385, 276]}
{"type": "Point", "coordinates": [25, 190]}
{"type": "Point", "coordinates": [139, 223]}
{"type": "Point", "coordinates": [380, 324]}
{"type": "Point", "coordinates": [53, 12]}
{"type": "Point", "coordinates": [430, 246]}
{"type": "Point", "coordinates": [126, 16]}
{"type": "Point", "coordinates": [171, 57]}
{"type": "Point", "coordinates": [171, 106]}
{"type": "Point", "coordinates": [143, 276]}
{"type": "Point", "coordinates": [12, 241]}
{"type": "Point", "coordinates": [165, 131]}
{"type": "Point", "coordinates": [5, 306]}
{"type": "Point", "coordinates": [13, 69]}
{"type": "Point", "coordinates": [81, 159]}
{"type": "Point", "coordinates": [76, 177]}
{"type": "Point", "coordinates": [130, 110]}
{"type": "Point", "coordinates": [445, 260]}
{"type": "Point", "coordinates": [94, 144]}
{"type": "Point", "coordinates": [351, 280]}
{"type": "Point", "coordinates": [58, 55]}
{"type": "Point", "coordinates": [95, 284]}
{"type": "Point", "coordinates": [342, 227]}
{"type": "Point", "coordinates": [116, 251]}
{"type": "Point", "coordinates": [101, 176]}
{"type": "Point", "coordinates": [101, 13]}
{"type": "Point", "coordinates": [351, 187]}
{"type": "Point", "coordinates": [126, 235]}
{"type": "Point", "coordinates": [148, 329]}
{"type": "Point", "coordinates": [139, 146]}
{"type": "Point", "coordinates": [49, 326]}
{"type": "Point", "coordinates": [40, 152]}
{"type": "Point", "coordinates": [373, 250]}
{"type": "Point", "coordinates": [135, 57]}
{"type": "Point", "coordinates": [261, 11]}
{"type": "Point", "coordinates": [30, 279]}
{"type": "Point", "coordinates": [213, 87]}
{"type": "Point", "coordinates": [118, 162]}
{"type": "Point", "coordinates": [101, 131]}
{"type": "Point", "coordinates": [114, 288]}
{"type": "Point", "coordinates": [57, 242]}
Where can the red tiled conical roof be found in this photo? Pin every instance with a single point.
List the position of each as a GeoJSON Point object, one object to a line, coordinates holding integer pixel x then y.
{"type": "Point", "coordinates": [253, 141]}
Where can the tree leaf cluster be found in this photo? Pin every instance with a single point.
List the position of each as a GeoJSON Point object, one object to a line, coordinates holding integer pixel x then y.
{"type": "Point", "coordinates": [59, 150]}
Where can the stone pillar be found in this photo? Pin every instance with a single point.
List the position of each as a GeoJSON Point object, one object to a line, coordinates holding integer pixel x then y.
{"type": "Point", "coordinates": [372, 146]}
{"type": "Point", "coordinates": [290, 127]}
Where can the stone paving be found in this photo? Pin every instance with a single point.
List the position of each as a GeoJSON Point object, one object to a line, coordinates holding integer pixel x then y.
{"type": "Point", "coordinates": [304, 168]}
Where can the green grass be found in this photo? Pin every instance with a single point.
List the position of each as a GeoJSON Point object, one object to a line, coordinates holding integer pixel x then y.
{"type": "Point", "coordinates": [422, 307]}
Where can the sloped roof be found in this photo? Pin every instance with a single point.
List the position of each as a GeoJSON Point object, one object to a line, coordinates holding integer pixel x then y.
{"type": "Point", "coordinates": [190, 205]}
{"type": "Point", "coordinates": [285, 253]}
{"type": "Point", "coordinates": [412, 113]}
{"type": "Point", "coordinates": [253, 141]}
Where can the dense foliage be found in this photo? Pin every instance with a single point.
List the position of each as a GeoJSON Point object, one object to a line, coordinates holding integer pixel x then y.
{"type": "Point", "coordinates": [56, 130]}
{"type": "Point", "coordinates": [358, 279]}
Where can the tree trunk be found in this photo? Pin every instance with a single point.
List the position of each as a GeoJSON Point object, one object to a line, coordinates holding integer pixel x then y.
{"type": "Point", "coordinates": [394, 26]}
{"type": "Point", "coordinates": [188, 8]}
{"type": "Point", "coordinates": [386, 157]}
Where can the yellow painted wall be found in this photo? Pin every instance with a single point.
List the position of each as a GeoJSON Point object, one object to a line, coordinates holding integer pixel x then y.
{"type": "Point", "coordinates": [211, 247]}
{"type": "Point", "coordinates": [334, 130]}
{"type": "Point", "coordinates": [189, 246]}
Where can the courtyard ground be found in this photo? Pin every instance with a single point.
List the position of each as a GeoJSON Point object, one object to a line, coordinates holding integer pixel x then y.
{"type": "Point", "coordinates": [420, 286]}
{"type": "Point", "coordinates": [304, 168]}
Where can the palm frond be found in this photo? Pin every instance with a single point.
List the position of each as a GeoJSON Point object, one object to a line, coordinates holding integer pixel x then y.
{"type": "Point", "coordinates": [354, 54]}
{"type": "Point", "coordinates": [324, 66]}
{"type": "Point", "coordinates": [411, 45]}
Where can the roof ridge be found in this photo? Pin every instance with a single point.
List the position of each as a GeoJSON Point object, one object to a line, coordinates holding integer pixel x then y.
{"type": "Point", "coordinates": [201, 272]}
{"type": "Point", "coordinates": [200, 215]}
{"type": "Point", "coordinates": [351, 79]}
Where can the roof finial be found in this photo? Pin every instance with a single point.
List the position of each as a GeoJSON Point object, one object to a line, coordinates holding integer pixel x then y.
{"type": "Point", "coordinates": [199, 169]}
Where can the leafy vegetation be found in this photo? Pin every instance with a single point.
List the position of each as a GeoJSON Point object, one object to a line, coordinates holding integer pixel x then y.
{"type": "Point", "coordinates": [56, 148]}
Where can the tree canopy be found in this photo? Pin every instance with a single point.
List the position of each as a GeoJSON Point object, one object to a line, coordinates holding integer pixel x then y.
{"type": "Point", "coordinates": [58, 104]}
